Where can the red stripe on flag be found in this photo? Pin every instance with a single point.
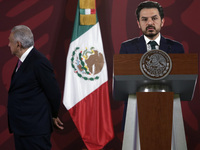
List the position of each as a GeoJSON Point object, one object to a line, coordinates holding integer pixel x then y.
{"type": "Point", "coordinates": [93, 11]}
{"type": "Point", "coordinates": [92, 118]}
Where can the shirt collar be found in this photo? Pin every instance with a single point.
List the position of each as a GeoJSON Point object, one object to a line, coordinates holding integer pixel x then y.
{"type": "Point", "coordinates": [23, 57]}
{"type": "Point", "coordinates": [157, 39]}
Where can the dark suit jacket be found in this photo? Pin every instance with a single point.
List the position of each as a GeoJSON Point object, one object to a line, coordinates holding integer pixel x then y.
{"type": "Point", "coordinates": [34, 96]}
{"type": "Point", "coordinates": [138, 46]}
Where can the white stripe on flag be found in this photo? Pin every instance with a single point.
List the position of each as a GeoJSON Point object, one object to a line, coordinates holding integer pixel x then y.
{"type": "Point", "coordinates": [83, 87]}
{"type": "Point", "coordinates": [87, 11]}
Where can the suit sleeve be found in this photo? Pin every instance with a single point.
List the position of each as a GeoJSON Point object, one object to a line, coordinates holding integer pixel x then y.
{"type": "Point", "coordinates": [181, 49]}
{"type": "Point", "coordinates": [178, 48]}
{"type": "Point", "coordinates": [174, 46]}
{"type": "Point", "coordinates": [46, 78]}
{"type": "Point", "coordinates": [123, 49]}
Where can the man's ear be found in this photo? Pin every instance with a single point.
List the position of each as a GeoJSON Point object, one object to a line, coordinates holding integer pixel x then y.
{"type": "Point", "coordinates": [162, 22]}
{"type": "Point", "coordinates": [138, 23]}
{"type": "Point", "coordinates": [19, 44]}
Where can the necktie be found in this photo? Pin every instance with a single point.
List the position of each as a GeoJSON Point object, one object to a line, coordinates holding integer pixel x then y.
{"type": "Point", "coordinates": [19, 64]}
{"type": "Point", "coordinates": [153, 44]}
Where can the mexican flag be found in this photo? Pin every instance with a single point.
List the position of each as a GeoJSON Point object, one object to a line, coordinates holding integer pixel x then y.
{"type": "Point", "coordinates": [86, 94]}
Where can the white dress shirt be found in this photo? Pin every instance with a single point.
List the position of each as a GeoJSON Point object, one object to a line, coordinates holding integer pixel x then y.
{"type": "Point", "coordinates": [149, 46]}
{"type": "Point", "coordinates": [23, 57]}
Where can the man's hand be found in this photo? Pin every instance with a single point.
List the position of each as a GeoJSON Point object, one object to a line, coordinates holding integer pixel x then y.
{"type": "Point", "coordinates": [58, 123]}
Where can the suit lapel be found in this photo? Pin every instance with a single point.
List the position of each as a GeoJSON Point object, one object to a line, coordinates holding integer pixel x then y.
{"type": "Point", "coordinates": [142, 45]}
{"type": "Point", "coordinates": [14, 71]}
{"type": "Point", "coordinates": [16, 75]}
{"type": "Point", "coordinates": [163, 45]}
{"type": "Point", "coordinates": [13, 77]}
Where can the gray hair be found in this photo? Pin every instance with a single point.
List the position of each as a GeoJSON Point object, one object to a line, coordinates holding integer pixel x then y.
{"type": "Point", "coordinates": [24, 35]}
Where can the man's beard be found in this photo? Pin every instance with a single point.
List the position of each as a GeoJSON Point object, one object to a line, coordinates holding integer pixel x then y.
{"type": "Point", "coordinates": [151, 34]}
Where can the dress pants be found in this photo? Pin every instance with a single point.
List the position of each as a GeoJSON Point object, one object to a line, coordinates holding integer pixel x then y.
{"type": "Point", "coordinates": [33, 142]}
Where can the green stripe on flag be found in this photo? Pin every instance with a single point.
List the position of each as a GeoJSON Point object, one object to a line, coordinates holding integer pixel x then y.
{"type": "Point", "coordinates": [82, 11]}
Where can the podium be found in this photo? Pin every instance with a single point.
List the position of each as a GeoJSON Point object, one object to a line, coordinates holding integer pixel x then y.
{"type": "Point", "coordinates": [154, 117]}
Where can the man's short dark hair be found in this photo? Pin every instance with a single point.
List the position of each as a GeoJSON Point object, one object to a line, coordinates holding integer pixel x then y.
{"type": "Point", "coordinates": [149, 4]}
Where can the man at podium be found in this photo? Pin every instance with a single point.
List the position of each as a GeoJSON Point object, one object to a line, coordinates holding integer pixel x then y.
{"type": "Point", "coordinates": [150, 19]}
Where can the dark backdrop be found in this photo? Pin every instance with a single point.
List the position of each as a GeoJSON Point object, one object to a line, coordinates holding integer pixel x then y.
{"type": "Point", "coordinates": [52, 23]}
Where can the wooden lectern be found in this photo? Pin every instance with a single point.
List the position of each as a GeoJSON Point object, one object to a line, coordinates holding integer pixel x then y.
{"type": "Point", "coordinates": [154, 117]}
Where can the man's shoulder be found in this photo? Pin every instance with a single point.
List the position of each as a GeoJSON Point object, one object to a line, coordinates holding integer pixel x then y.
{"type": "Point", "coordinates": [172, 46]}
{"type": "Point", "coordinates": [135, 45]}
{"type": "Point", "coordinates": [37, 57]}
{"type": "Point", "coordinates": [171, 42]}
{"type": "Point", "coordinates": [132, 41]}
{"type": "Point", "coordinates": [37, 54]}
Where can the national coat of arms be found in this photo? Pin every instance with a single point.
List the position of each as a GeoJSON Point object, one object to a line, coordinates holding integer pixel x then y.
{"type": "Point", "coordinates": [155, 64]}
{"type": "Point", "coordinates": [87, 63]}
